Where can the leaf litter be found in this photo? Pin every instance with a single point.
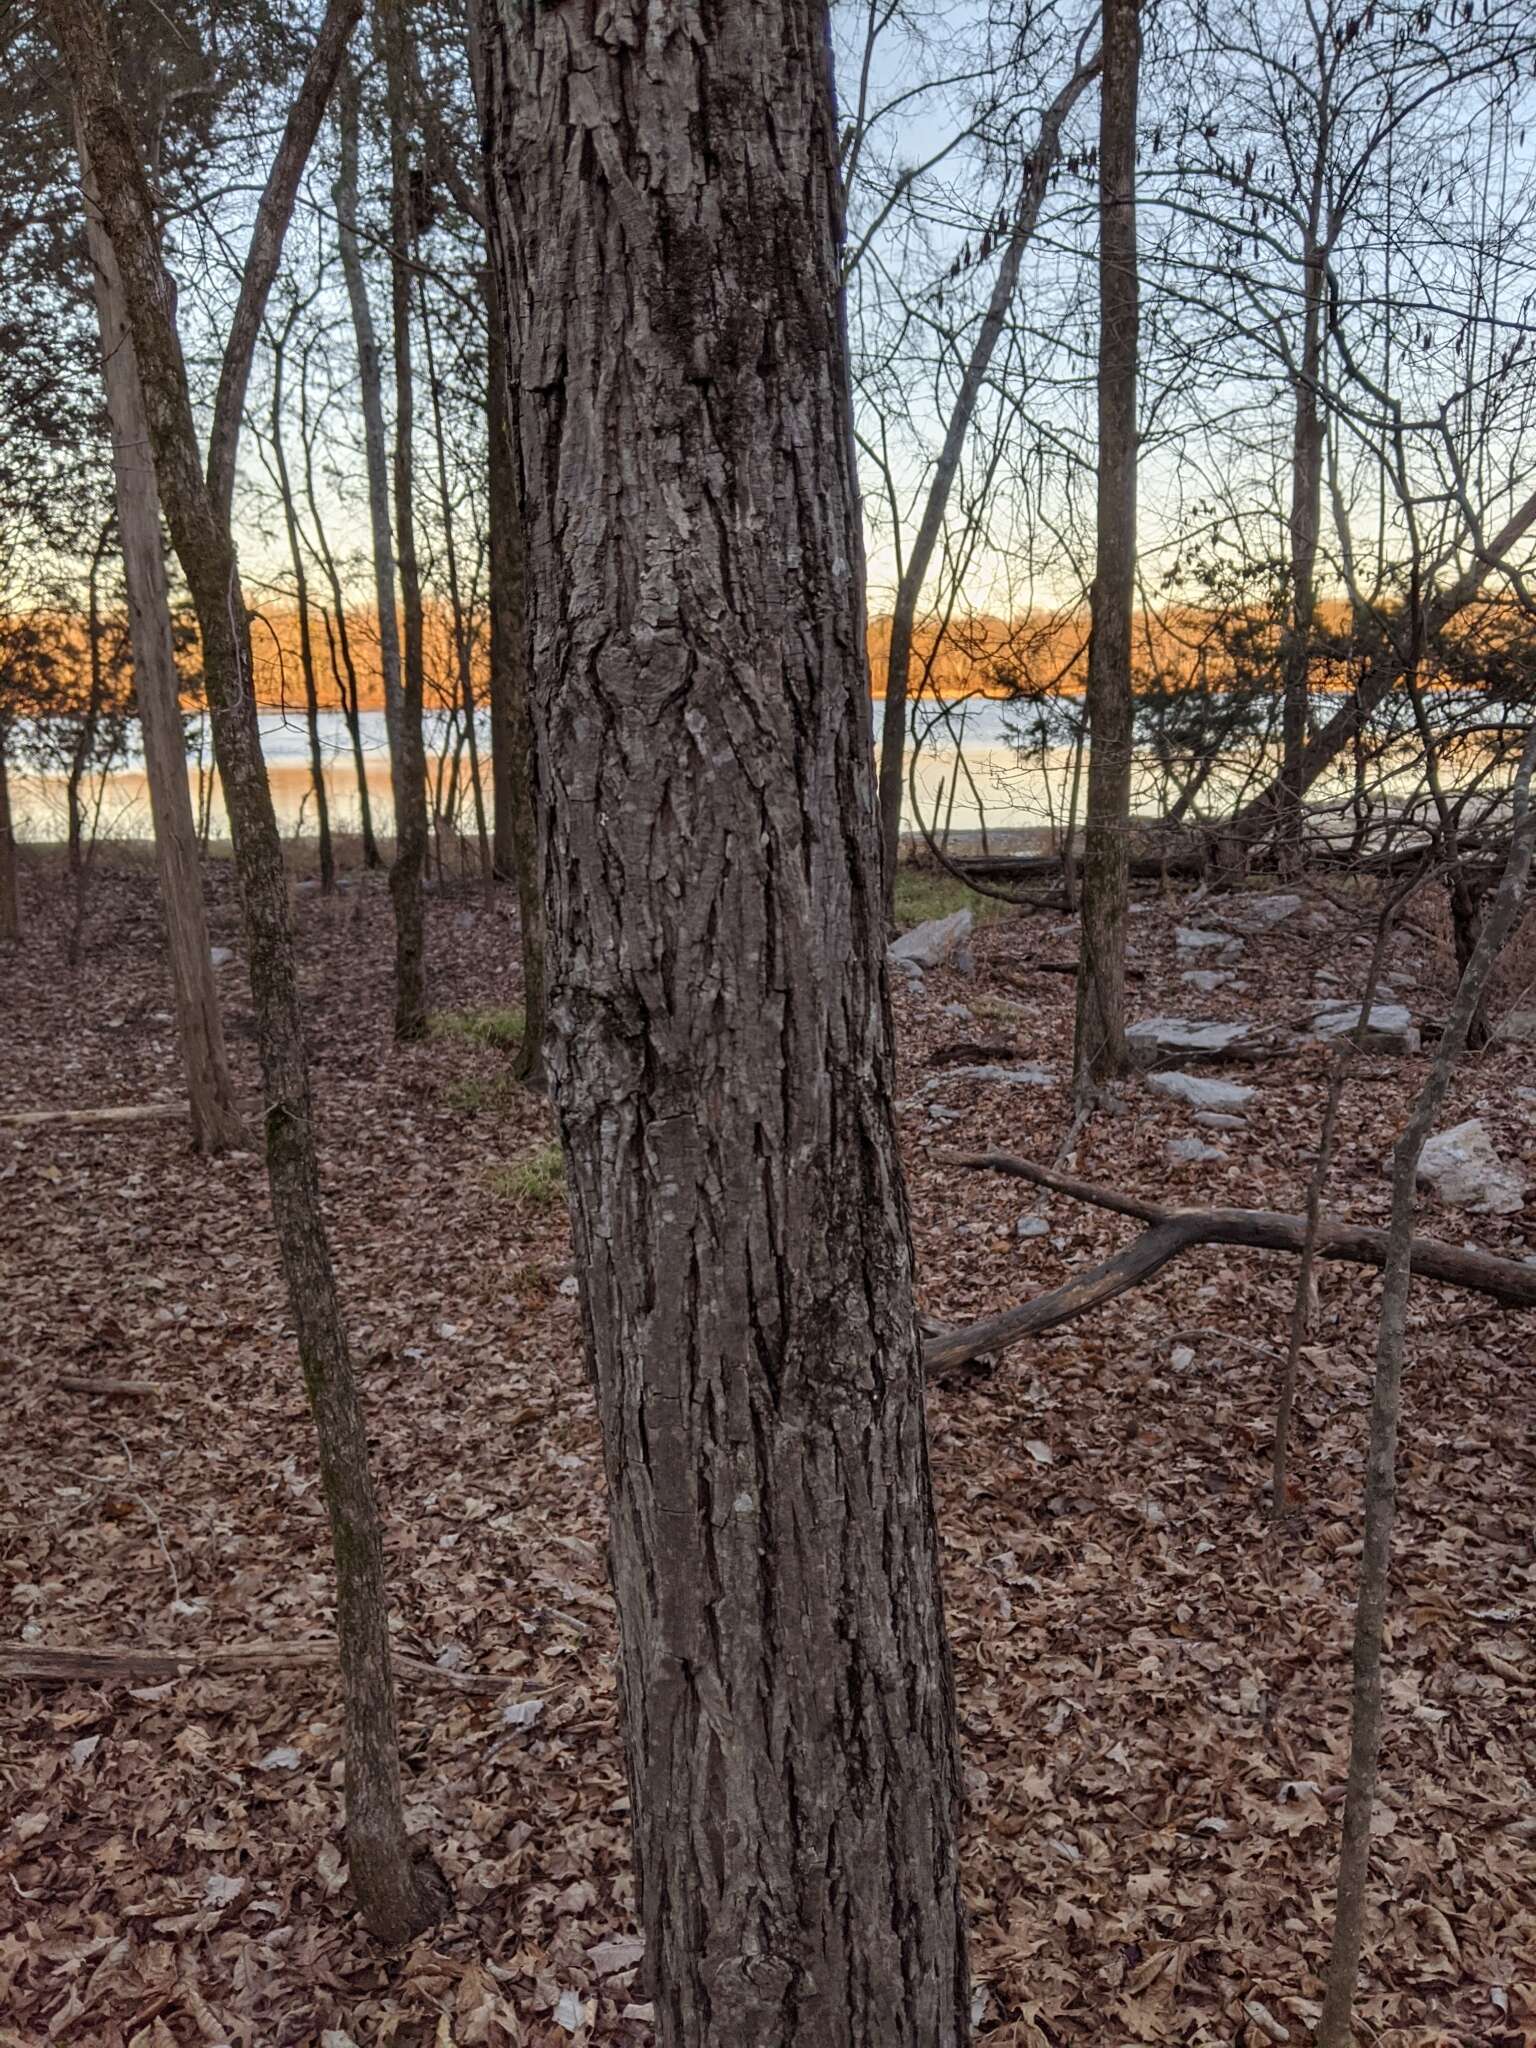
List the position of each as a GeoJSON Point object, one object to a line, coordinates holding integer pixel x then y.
{"type": "Point", "coordinates": [1152, 1681]}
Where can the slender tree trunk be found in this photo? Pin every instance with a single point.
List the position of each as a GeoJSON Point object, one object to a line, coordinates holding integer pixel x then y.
{"type": "Point", "coordinates": [512, 765]}
{"type": "Point", "coordinates": [85, 736]}
{"type": "Point", "coordinates": [898, 667]}
{"type": "Point", "coordinates": [199, 1025]}
{"type": "Point", "coordinates": [397, 1897]}
{"type": "Point", "coordinates": [456, 605]}
{"type": "Point", "coordinates": [306, 641]}
{"type": "Point", "coordinates": [1305, 526]}
{"type": "Point", "coordinates": [338, 641]}
{"type": "Point", "coordinates": [407, 774]}
{"type": "Point", "coordinates": [1334, 2029]}
{"type": "Point", "coordinates": [10, 880]}
{"type": "Point", "coordinates": [407, 877]}
{"type": "Point", "coordinates": [1100, 1048]}
{"type": "Point", "coordinates": [721, 1054]}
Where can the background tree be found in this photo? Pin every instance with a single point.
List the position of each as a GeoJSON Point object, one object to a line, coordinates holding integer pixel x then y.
{"type": "Point", "coordinates": [1099, 1051]}
{"type": "Point", "coordinates": [397, 1895]}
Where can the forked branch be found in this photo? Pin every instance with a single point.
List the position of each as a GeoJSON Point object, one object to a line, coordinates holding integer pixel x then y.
{"type": "Point", "coordinates": [1170, 1232]}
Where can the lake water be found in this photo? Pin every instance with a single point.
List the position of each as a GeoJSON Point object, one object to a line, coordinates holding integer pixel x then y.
{"type": "Point", "coordinates": [980, 765]}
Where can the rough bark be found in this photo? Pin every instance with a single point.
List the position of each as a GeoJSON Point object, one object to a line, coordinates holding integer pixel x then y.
{"type": "Point", "coordinates": [1039, 166]}
{"type": "Point", "coordinates": [512, 771]}
{"type": "Point", "coordinates": [199, 1023]}
{"type": "Point", "coordinates": [1334, 2028]}
{"type": "Point", "coordinates": [407, 875]}
{"type": "Point", "coordinates": [397, 1898]}
{"type": "Point", "coordinates": [1099, 1044]}
{"type": "Point", "coordinates": [720, 1057]}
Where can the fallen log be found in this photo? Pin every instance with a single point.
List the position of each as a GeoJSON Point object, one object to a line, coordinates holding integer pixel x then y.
{"type": "Point", "coordinates": [128, 1664]}
{"type": "Point", "coordinates": [128, 1390]}
{"type": "Point", "coordinates": [131, 1113]}
{"type": "Point", "coordinates": [1170, 1232]}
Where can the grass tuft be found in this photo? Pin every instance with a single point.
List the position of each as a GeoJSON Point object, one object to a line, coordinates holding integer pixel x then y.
{"type": "Point", "coordinates": [925, 893]}
{"type": "Point", "coordinates": [496, 1027]}
{"type": "Point", "coordinates": [538, 1178]}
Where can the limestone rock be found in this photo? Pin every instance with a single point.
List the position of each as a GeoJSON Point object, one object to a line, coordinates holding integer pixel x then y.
{"type": "Point", "coordinates": [1153, 1040]}
{"type": "Point", "coordinates": [1190, 1151]}
{"type": "Point", "coordinates": [1207, 979]}
{"type": "Point", "coordinates": [1189, 940]}
{"type": "Point", "coordinates": [1201, 1093]}
{"type": "Point", "coordinates": [941, 942]}
{"type": "Point", "coordinates": [1389, 1028]}
{"type": "Point", "coordinates": [1030, 1076]}
{"type": "Point", "coordinates": [1516, 1027]}
{"type": "Point", "coordinates": [1462, 1167]}
{"type": "Point", "coordinates": [1261, 913]}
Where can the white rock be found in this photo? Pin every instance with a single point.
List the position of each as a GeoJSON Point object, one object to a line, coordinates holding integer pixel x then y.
{"type": "Point", "coordinates": [1201, 1093]}
{"type": "Point", "coordinates": [1462, 1168]}
{"type": "Point", "coordinates": [1207, 979]}
{"type": "Point", "coordinates": [1190, 1151]}
{"type": "Point", "coordinates": [941, 942]}
{"type": "Point", "coordinates": [280, 1759]}
{"type": "Point", "coordinates": [1013, 1077]}
{"type": "Point", "coordinates": [1154, 1039]}
{"type": "Point", "coordinates": [1389, 1028]}
{"type": "Point", "coordinates": [1032, 1226]}
{"type": "Point", "coordinates": [1516, 1027]}
{"type": "Point", "coordinates": [521, 1713]}
{"type": "Point", "coordinates": [1213, 1120]}
{"type": "Point", "coordinates": [220, 956]}
{"type": "Point", "coordinates": [958, 1011]}
{"type": "Point", "coordinates": [1261, 913]}
{"type": "Point", "coordinates": [1181, 1358]}
{"type": "Point", "coordinates": [1188, 940]}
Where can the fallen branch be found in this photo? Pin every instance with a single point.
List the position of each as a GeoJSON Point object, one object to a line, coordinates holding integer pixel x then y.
{"type": "Point", "coordinates": [126, 1663]}
{"type": "Point", "coordinates": [133, 1113]}
{"type": "Point", "coordinates": [139, 1390]}
{"type": "Point", "coordinates": [1510, 1282]}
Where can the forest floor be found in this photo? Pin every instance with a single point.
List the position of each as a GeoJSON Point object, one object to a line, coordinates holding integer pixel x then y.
{"type": "Point", "coordinates": [1153, 1679]}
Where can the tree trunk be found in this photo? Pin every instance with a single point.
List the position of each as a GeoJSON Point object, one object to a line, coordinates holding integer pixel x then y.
{"type": "Point", "coordinates": [1305, 525]}
{"type": "Point", "coordinates": [408, 875]}
{"type": "Point", "coordinates": [10, 881]}
{"type": "Point", "coordinates": [306, 640]}
{"type": "Point", "coordinates": [456, 605]}
{"type": "Point", "coordinates": [1040, 163]}
{"type": "Point", "coordinates": [721, 1055]}
{"type": "Point", "coordinates": [1100, 1049]}
{"type": "Point", "coordinates": [199, 1024]}
{"type": "Point", "coordinates": [1334, 2030]}
{"type": "Point", "coordinates": [85, 733]}
{"type": "Point", "coordinates": [338, 642]}
{"type": "Point", "coordinates": [397, 1897]}
{"type": "Point", "coordinates": [409, 798]}
{"type": "Point", "coordinates": [512, 773]}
